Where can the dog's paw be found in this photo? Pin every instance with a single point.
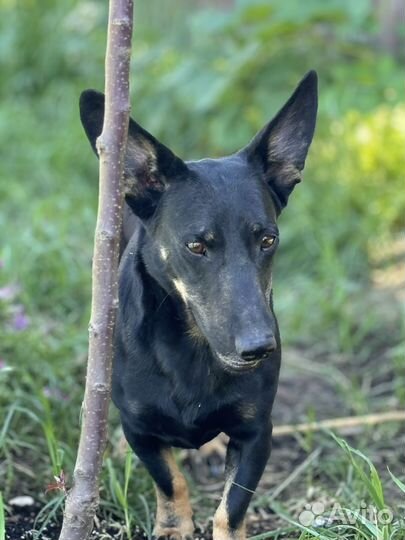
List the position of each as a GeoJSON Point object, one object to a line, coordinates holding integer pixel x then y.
{"type": "Point", "coordinates": [174, 535]}
{"type": "Point", "coordinates": [228, 534]}
{"type": "Point", "coordinates": [207, 464]}
{"type": "Point", "coordinates": [184, 532]}
{"type": "Point", "coordinates": [221, 528]}
{"type": "Point", "coordinates": [215, 448]}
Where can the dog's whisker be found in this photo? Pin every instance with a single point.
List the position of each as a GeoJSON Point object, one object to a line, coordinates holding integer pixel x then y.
{"type": "Point", "coordinates": [164, 299]}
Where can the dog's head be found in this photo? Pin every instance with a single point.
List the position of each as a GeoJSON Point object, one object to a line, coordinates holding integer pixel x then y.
{"type": "Point", "coordinates": [212, 224]}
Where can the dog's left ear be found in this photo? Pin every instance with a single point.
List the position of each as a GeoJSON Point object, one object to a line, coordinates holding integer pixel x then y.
{"type": "Point", "coordinates": [281, 147]}
{"type": "Point", "coordinates": [149, 165]}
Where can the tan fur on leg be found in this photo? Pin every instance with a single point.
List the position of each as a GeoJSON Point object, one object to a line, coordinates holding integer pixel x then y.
{"type": "Point", "coordinates": [221, 518]}
{"type": "Point", "coordinates": [174, 515]}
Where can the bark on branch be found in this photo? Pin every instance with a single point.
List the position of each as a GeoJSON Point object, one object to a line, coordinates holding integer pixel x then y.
{"type": "Point", "coordinates": [82, 500]}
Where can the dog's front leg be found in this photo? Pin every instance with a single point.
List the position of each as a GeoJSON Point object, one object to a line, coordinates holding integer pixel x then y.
{"type": "Point", "coordinates": [173, 514]}
{"type": "Point", "coordinates": [246, 459]}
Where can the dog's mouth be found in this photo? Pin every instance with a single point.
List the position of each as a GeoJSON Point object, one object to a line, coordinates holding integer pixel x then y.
{"type": "Point", "coordinates": [234, 363]}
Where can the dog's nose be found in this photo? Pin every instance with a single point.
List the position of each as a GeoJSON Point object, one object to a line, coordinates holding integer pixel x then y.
{"type": "Point", "coordinates": [257, 348]}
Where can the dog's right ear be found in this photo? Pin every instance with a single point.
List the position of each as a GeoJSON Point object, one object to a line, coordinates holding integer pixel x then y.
{"type": "Point", "coordinates": [281, 147]}
{"type": "Point", "coordinates": [149, 165]}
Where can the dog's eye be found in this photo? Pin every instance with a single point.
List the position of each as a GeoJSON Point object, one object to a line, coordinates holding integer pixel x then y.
{"type": "Point", "coordinates": [198, 248]}
{"type": "Point", "coordinates": [267, 242]}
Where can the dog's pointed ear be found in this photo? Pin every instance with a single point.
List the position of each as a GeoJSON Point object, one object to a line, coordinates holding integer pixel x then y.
{"type": "Point", "coordinates": [149, 165]}
{"type": "Point", "coordinates": [281, 147]}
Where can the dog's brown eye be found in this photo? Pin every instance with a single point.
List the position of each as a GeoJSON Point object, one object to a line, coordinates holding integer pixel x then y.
{"type": "Point", "coordinates": [267, 242]}
{"type": "Point", "coordinates": [198, 248]}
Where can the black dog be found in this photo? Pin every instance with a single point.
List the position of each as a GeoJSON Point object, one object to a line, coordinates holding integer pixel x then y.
{"type": "Point", "coordinates": [197, 346]}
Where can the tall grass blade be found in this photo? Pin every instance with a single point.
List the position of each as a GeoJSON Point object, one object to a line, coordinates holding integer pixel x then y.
{"type": "Point", "coordinates": [372, 482]}
{"type": "Point", "coordinates": [2, 519]}
{"type": "Point", "coordinates": [398, 482]}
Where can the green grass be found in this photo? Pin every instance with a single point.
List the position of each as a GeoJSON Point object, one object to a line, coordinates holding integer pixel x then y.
{"type": "Point", "coordinates": [120, 493]}
{"type": "Point", "coordinates": [2, 519]}
{"type": "Point", "coordinates": [367, 518]}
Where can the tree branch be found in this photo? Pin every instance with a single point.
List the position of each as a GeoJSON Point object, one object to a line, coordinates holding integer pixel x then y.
{"type": "Point", "coordinates": [82, 500]}
{"type": "Point", "coordinates": [344, 425]}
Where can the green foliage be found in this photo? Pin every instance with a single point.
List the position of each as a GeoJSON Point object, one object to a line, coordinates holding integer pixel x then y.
{"type": "Point", "coordinates": [228, 74]}
{"type": "Point", "coordinates": [352, 193]}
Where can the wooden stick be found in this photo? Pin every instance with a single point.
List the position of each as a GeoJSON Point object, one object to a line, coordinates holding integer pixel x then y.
{"type": "Point", "coordinates": [341, 424]}
{"type": "Point", "coordinates": [82, 500]}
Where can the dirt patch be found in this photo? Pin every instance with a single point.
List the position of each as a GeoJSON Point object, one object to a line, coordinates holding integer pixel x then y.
{"type": "Point", "coordinates": [21, 521]}
{"type": "Point", "coordinates": [19, 527]}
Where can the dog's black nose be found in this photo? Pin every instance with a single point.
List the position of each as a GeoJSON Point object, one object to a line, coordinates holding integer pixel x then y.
{"type": "Point", "coordinates": [257, 348]}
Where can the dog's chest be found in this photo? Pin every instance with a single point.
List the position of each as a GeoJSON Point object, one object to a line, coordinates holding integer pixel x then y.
{"type": "Point", "coordinates": [181, 420]}
{"type": "Point", "coordinates": [187, 425]}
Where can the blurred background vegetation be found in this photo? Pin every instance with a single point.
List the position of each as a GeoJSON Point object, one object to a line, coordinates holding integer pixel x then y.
{"type": "Point", "coordinates": [205, 77]}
